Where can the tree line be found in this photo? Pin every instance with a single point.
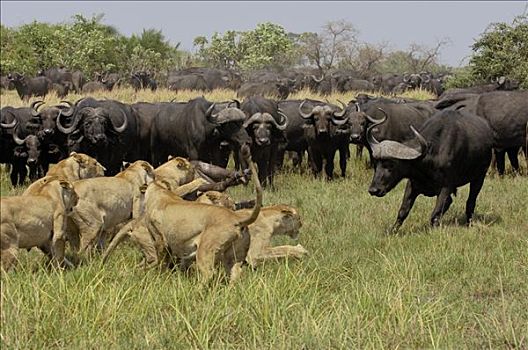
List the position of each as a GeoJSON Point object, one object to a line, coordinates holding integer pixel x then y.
{"type": "Point", "coordinates": [91, 46]}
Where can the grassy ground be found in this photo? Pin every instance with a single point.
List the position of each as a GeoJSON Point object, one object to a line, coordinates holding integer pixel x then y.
{"type": "Point", "coordinates": [449, 287]}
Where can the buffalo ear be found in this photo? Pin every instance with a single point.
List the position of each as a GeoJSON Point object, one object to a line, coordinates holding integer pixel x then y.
{"type": "Point", "coordinates": [170, 157]}
{"type": "Point", "coordinates": [126, 165]}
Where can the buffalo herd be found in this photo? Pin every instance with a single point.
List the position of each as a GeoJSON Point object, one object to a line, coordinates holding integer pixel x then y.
{"type": "Point", "coordinates": [438, 145]}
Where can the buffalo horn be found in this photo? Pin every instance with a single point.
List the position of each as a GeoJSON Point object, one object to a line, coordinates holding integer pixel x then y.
{"type": "Point", "coordinates": [69, 111]}
{"type": "Point", "coordinates": [34, 107]}
{"type": "Point", "coordinates": [254, 118]}
{"type": "Point", "coordinates": [17, 139]}
{"type": "Point", "coordinates": [123, 126]}
{"type": "Point", "coordinates": [304, 115]}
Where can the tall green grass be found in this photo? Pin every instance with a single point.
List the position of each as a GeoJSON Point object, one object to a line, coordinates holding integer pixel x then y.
{"type": "Point", "coordinates": [451, 287]}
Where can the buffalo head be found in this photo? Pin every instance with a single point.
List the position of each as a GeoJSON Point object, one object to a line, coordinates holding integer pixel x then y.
{"type": "Point", "coordinates": [229, 124]}
{"type": "Point", "coordinates": [394, 160]}
{"type": "Point", "coordinates": [94, 124]}
{"type": "Point", "coordinates": [262, 125]}
{"type": "Point", "coordinates": [322, 118]}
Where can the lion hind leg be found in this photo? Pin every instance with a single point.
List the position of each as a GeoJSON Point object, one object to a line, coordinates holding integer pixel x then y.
{"type": "Point", "coordinates": [285, 251]}
{"type": "Point", "coordinates": [8, 246]}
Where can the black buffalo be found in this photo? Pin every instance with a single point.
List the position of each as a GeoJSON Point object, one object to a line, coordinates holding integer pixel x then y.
{"type": "Point", "coordinates": [507, 114]}
{"type": "Point", "coordinates": [195, 130]}
{"type": "Point", "coordinates": [26, 88]}
{"type": "Point", "coordinates": [400, 115]}
{"type": "Point", "coordinates": [326, 132]}
{"type": "Point", "coordinates": [451, 149]}
{"type": "Point", "coordinates": [106, 130]}
{"type": "Point", "coordinates": [265, 124]}
{"type": "Point", "coordinates": [187, 82]}
{"type": "Point", "coordinates": [143, 80]}
{"type": "Point", "coordinates": [277, 89]}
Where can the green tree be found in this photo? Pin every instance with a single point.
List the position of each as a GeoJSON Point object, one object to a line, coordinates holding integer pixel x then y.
{"type": "Point", "coordinates": [502, 50]}
{"type": "Point", "coordinates": [267, 45]}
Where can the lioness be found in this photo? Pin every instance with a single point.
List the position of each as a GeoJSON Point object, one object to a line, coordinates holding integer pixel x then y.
{"type": "Point", "coordinates": [202, 177]}
{"type": "Point", "coordinates": [185, 228]}
{"type": "Point", "coordinates": [76, 167]}
{"type": "Point", "coordinates": [36, 221]}
{"type": "Point", "coordinates": [274, 220]}
{"type": "Point", "coordinates": [108, 201]}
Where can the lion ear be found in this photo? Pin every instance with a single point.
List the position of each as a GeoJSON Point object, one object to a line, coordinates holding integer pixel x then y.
{"type": "Point", "coordinates": [288, 211]}
{"type": "Point", "coordinates": [166, 184]}
{"type": "Point", "coordinates": [143, 188]}
{"type": "Point", "coordinates": [181, 163]}
{"type": "Point", "coordinates": [77, 157]}
{"type": "Point", "coordinates": [65, 184]}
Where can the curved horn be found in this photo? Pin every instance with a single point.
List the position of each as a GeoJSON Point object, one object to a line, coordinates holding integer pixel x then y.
{"type": "Point", "coordinates": [73, 126]}
{"type": "Point", "coordinates": [69, 112]}
{"type": "Point", "coordinates": [304, 115]}
{"type": "Point", "coordinates": [79, 101]}
{"type": "Point", "coordinates": [370, 138]}
{"type": "Point", "coordinates": [317, 80]}
{"type": "Point", "coordinates": [209, 114]}
{"type": "Point", "coordinates": [123, 126]}
{"type": "Point", "coordinates": [378, 121]}
{"type": "Point", "coordinates": [34, 107]}
{"type": "Point", "coordinates": [342, 103]}
{"type": "Point", "coordinates": [10, 125]}
{"type": "Point", "coordinates": [284, 120]}
{"type": "Point", "coordinates": [421, 140]}
{"type": "Point", "coordinates": [358, 108]}
{"type": "Point", "coordinates": [269, 118]}
{"type": "Point", "coordinates": [254, 118]}
{"type": "Point", "coordinates": [235, 101]}
{"type": "Point", "coordinates": [341, 113]}
{"type": "Point", "coordinates": [17, 139]}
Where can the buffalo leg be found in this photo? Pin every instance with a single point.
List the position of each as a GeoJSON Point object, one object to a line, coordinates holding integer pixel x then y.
{"type": "Point", "coordinates": [344, 154]}
{"type": "Point", "coordinates": [500, 159]}
{"type": "Point", "coordinates": [514, 160]}
{"type": "Point", "coordinates": [329, 166]}
{"type": "Point", "coordinates": [407, 203]}
{"type": "Point", "coordinates": [443, 201]}
{"type": "Point", "coordinates": [359, 151]}
{"type": "Point", "coordinates": [474, 189]}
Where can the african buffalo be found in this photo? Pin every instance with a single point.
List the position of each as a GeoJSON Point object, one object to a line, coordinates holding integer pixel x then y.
{"type": "Point", "coordinates": [26, 88]}
{"type": "Point", "coordinates": [451, 149]}
{"type": "Point", "coordinates": [507, 114]}
{"type": "Point", "coordinates": [326, 132]}
{"type": "Point", "coordinates": [191, 129]}
{"type": "Point", "coordinates": [103, 129]}
{"type": "Point", "coordinates": [265, 124]}
{"type": "Point", "coordinates": [399, 117]}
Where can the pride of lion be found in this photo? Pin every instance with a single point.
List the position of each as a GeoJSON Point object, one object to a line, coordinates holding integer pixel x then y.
{"type": "Point", "coordinates": [175, 214]}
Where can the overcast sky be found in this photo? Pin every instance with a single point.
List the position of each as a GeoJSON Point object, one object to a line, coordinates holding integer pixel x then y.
{"type": "Point", "coordinates": [398, 23]}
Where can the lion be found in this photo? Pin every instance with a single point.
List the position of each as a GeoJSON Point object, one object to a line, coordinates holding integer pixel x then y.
{"type": "Point", "coordinates": [201, 177]}
{"type": "Point", "coordinates": [182, 229]}
{"type": "Point", "coordinates": [77, 166]}
{"type": "Point", "coordinates": [273, 220]}
{"type": "Point", "coordinates": [108, 201]}
{"type": "Point", "coordinates": [37, 221]}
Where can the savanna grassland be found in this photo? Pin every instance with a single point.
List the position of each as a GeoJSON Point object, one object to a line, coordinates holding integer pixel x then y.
{"type": "Point", "coordinates": [450, 287]}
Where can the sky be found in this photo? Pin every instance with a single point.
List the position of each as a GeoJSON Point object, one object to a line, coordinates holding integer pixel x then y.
{"type": "Point", "coordinates": [398, 23]}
